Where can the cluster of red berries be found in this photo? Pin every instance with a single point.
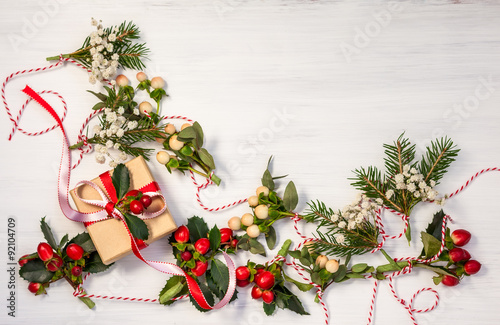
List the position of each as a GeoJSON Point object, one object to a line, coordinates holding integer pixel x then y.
{"type": "Point", "coordinates": [136, 202]}
{"type": "Point", "coordinates": [194, 255]}
{"type": "Point", "coordinates": [459, 258]}
{"type": "Point", "coordinates": [53, 262]}
{"type": "Point", "coordinates": [264, 282]}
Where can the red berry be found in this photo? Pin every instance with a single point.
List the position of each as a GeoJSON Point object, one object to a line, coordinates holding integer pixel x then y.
{"type": "Point", "coordinates": [33, 287]}
{"type": "Point", "coordinates": [234, 242]}
{"type": "Point", "coordinates": [268, 296]}
{"type": "Point", "coordinates": [136, 207]}
{"type": "Point", "coordinates": [457, 254]}
{"type": "Point", "coordinates": [74, 251]}
{"type": "Point", "coordinates": [472, 267]}
{"type": "Point", "coordinates": [133, 193]}
{"type": "Point", "coordinates": [182, 234]}
{"type": "Point", "coordinates": [242, 283]}
{"type": "Point", "coordinates": [76, 270]}
{"type": "Point", "coordinates": [242, 273]}
{"type": "Point", "coordinates": [256, 292]}
{"type": "Point", "coordinates": [259, 270]}
{"type": "Point", "coordinates": [186, 255]}
{"type": "Point", "coordinates": [450, 281]}
{"type": "Point", "coordinates": [146, 201]}
{"type": "Point", "coordinates": [466, 255]}
{"type": "Point", "coordinates": [23, 260]}
{"type": "Point", "coordinates": [55, 263]}
{"type": "Point", "coordinates": [202, 245]}
{"type": "Point", "coordinates": [200, 268]}
{"type": "Point", "coordinates": [265, 280]}
{"type": "Point", "coordinates": [225, 235]}
{"type": "Point", "coordinates": [460, 237]}
{"type": "Point", "coordinates": [44, 251]}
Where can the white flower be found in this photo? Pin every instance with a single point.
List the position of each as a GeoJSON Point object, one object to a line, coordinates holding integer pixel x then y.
{"type": "Point", "coordinates": [100, 158]}
{"type": "Point", "coordinates": [416, 194]}
{"type": "Point", "coordinates": [93, 22]}
{"type": "Point", "coordinates": [431, 195]}
{"type": "Point", "coordinates": [136, 111]}
{"type": "Point", "coordinates": [115, 57]}
{"type": "Point", "coordinates": [342, 224]}
{"type": "Point", "coordinates": [103, 150]}
{"type": "Point", "coordinates": [112, 37]}
{"type": "Point", "coordinates": [121, 120]}
{"type": "Point", "coordinates": [132, 125]}
{"type": "Point", "coordinates": [98, 40]}
{"type": "Point", "coordinates": [111, 117]}
{"type": "Point", "coordinates": [123, 156]}
{"type": "Point", "coordinates": [406, 168]}
{"type": "Point", "coordinates": [109, 47]}
{"type": "Point", "coordinates": [413, 170]}
{"type": "Point", "coordinates": [335, 217]}
{"type": "Point", "coordinates": [97, 128]}
{"type": "Point", "coordinates": [92, 79]}
{"type": "Point", "coordinates": [99, 49]}
{"type": "Point", "coordinates": [113, 82]}
{"type": "Point", "coordinates": [411, 187]}
{"type": "Point", "coordinates": [399, 178]}
{"type": "Point", "coordinates": [389, 194]}
{"type": "Point", "coordinates": [113, 164]}
{"type": "Point", "coordinates": [365, 204]}
{"type": "Point", "coordinates": [359, 219]}
{"type": "Point", "coordinates": [379, 201]}
{"type": "Point", "coordinates": [115, 30]}
{"type": "Point", "coordinates": [120, 133]}
{"type": "Point", "coordinates": [102, 134]}
{"type": "Point", "coordinates": [100, 31]}
{"type": "Point", "coordinates": [114, 64]}
{"type": "Point", "coordinates": [400, 186]}
{"type": "Point", "coordinates": [117, 145]}
{"type": "Point", "coordinates": [109, 144]}
{"type": "Point", "coordinates": [109, 133]}
{"type": "Point", "coordinates": [422, 184]}
{"type": "Point", "coordinates": [121, 110]}
{"type": "Point", "coordinates": [433, 183]}
{"type": "Point", "coordinates": [339, 238]}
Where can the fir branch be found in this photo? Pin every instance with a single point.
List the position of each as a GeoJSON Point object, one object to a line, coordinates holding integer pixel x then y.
{"type": "Point", "coordinates": [401, 153]}
{"type": "Point", "coordinates": [437, 159]}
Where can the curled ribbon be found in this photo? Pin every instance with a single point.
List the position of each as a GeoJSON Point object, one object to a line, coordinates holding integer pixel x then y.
{"type": "Point", "coordinates": [70, 213]}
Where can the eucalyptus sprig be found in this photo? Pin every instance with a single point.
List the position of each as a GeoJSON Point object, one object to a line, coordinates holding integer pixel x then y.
{"type": "Point", "coordinates": [108, 49]}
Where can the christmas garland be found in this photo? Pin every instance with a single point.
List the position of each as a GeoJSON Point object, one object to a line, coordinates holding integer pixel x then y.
{"type": "Point", "coordinates": [345, 234]}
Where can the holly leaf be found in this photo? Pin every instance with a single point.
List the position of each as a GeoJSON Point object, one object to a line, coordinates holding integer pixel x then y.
{"type": "Point", "coordinates": [208, 296]}
{"type": "Point", "coordinates": [269, 308]}
{"type": "Point", "coordinates": [121, 180]}
{"type": "Point", "coordinates": [256, 247]}
{"type": "Point", "coordinates": [271, 237]}
{"type": "Point", "coordinates": [197, 228]}
{"type": "Point", "coordinates": [434, 228]}
{"type": "Point", "coordinates": [431, 245]}
{"type": "Point", "coordinates": [214, 237]}
{"type": "Point", "coordinates": [35, 271]}
{"type": "Point", "coordinates": [220, 274]}
{"type": "Point", "coordinates": [292, 302]}
{"type": "Point", "coordinates": [290, 198]}
{"type": "Point", "coordinates": [47, 233]}
{"type": "Point", "coordinates": [137, 226]}
{"type": "Point", "coordinates": [206, 158]}
{"type": "Point", "coordinates": [84, 241]}
{"type": "Point", "coordinates": [173, 288]}
{"type": "Point", "coordinates": [64, 240]}
{"type": "Point", "coordinates": [94, 264]}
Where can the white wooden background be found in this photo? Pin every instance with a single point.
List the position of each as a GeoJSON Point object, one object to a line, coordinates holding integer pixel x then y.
{"type": "Point", "coordinates": [321, 85]}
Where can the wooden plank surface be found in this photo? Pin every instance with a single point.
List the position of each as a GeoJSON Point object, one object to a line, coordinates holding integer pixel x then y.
{"type": "Point", "coordinates": [320, 85]}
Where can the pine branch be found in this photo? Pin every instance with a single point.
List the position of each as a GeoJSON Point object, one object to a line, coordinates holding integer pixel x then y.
{"type": "Point", "coordinates": [401, 153]}
{"type": "Point", "coordinates": [437, 159]}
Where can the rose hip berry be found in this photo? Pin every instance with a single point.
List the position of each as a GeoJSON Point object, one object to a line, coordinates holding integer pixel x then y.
{"type": "Point", "coordinates": [74, 251]}
{"type": "Point", "coordinates": [234, 243]}
{"type": "Point", "coordinates": [242, 273]}
{"type": "Point", "coordinates": [55, 263]}
{"type": "Point", "coordinates": [182, 234]}
{"type": "Point", "coordinates": [136, 207]}
{"type": "Point", "coordinates": [200, 268]}
{"type": "Point", "coordinates": [460, 237]}
{"type": "Point", "coordinates": [202, 245]}
{"type": "Point", "coordinates": [44, 251]}
{"type": "Point", "coordinates": [33, 287]}
{"type": "Point", "coordinates": [450, 281]}
{"type": "Point", "coordinates": [225, 235]}
{"type": "Point", "coordinates": [472, 267]}
{"type": "Point", "coordinates": [146, 201]}
{"type": "Point", "coordinates": [186, 255]}
{"type": "Point", "coordinates": [256, 292]}
{"type": "Point", "coordinates": [457, 254]}
{"type": "Point", "coordinates": [23, 260]}
{"type": "Point", "coordinates": [76, 270]}
{"type": "Point", "coordinates": [265, 280]}
{"type": "Point", "coordinates": [242, 283]}
{"type": "Point", "coordinates": [268, 296]}
{"type": "Point", "coordinates": [133, 193]}
{"type": "Point", "coordinates": [466, 255]}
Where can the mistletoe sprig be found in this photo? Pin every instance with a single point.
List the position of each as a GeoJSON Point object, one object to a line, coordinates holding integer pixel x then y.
{"type": "Point", "coordinates": [406, 181]}
{"type": "Point", "coordinates": [54, 261]}
{"type": "Point", "coordinates": [108, 49]}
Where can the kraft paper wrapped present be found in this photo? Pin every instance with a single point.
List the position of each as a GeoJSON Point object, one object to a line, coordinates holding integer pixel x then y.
{"type": "Point", "coordinates": [110, 236]}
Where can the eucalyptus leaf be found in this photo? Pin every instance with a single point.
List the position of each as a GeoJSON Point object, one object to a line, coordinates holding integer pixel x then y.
{"type": "Point", "coordinates": [256, 247]}
{"type": "Point", "coordinates": [291, 198]}
{"type": "Point", "coordinates": [301, 286]}
{"type": "Point", "coordinates": [206, 158]}
{"type": "Point", "coordinates": [358, 268]}
{"type": "Point", "coordinates": [267, 180]}
{"type": "Point", "coordinates": [295, 254]}
{"type": "Point", "coordinates": [271, 237]}
{"type": "Point", "coordinates": [99, 106]}
{"type": "Point", "coordinates": [101, 97]}
{"type": "Point", "coordinates": [199, 135]}
{"type": "Point", "coordinates": [187, 135]}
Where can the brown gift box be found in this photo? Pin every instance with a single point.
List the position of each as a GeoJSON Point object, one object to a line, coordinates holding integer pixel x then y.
{"type": "Point", "coordinates": [110, 236]}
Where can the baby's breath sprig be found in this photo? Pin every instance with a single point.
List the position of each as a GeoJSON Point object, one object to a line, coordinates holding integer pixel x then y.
{"type": "Point", "coordinates": [108, 49]}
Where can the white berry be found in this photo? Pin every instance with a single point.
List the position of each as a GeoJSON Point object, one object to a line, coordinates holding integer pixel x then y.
{"type": "Point", "coordinates": [247, 219]}
{"type": "Point", "coordinates": [121, 80]}
{"type": "Point", "coordinates": [141, 76]}
{"type": "Point", "coordinates": [321, 261]}
{"type": "Point", "coordinates": [261, 211]}
{"type": "Point", "coordinates": [163, 157]}
{"type": "Point", "coordinates": [170, 128]}
{"type": "Point", "coordinates": [157, 82]}
{"type": "Point", "coordinates": [253, 201]}
{"type": "Point", "coordinates": [332, 266]}
{"type": "Point", "coordinates": [234, 223]}
{"type": "Point", "coordinates": [185, 125]}
{"type": "Point", "coordinates": [253, 231]}
{"type": "Point", "coordinates": [262, 189]}
{"type": "Point", "coordinates": [174, 143]}
{"type": "Point", "coordinates": [145, 108]}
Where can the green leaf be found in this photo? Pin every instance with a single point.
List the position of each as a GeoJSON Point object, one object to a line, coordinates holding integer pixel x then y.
{"type": "Point", "coordinates": [256, 247]}
{"type": "Point", "coordinates": [431, 244]}
{"type": "Point", "coordinates": [220, 274]}
{"type": "Point", "coordinates": [94, 264]}
{"type": "Point", "coordinates": [244, 243]}
{"type": "Point", "coordinates": [197, 228]}
{"type": "Point", "coordinates": [293, 303]}
{"type": "Point", "coordinates": [214, 237]}
{"type": "Point", "coordinates": [269, 308]}
{"type": "Point", "coordinates": [316, 278]}
{"type": "Point", "coordinates": [187, 135]}
{"type": "Point", "coordinates": [340, 274]}
{"type": "Point", "coordinates": [121, 180]}
{"type": "Point", "coordinates": [437, 279]}
{"type": "Point", "coordinates": [199, 135]}
{"type": "Point", "coordinates": [64, 240]}
{"type": "Point", "coordinates": [101, 97]}
{"type": "Point", "coordinates": [295, 254]}
{"type": "Point", "coordinates": [434, 228]}
{"type": "Point", "coordinates": [290, 198]}
{"type": "Point", "coordinates": [391, 268]}
{"type": "Point", "coordinates": [284, 248]}
{"type": "Point", "coordinates": [47, 233]}
{"type": "Point", "coordinates": [137, 226]}
{"type": "Point", "coordinates": [267, 180]}
{"type": "Point", "coordinates": [84, 241]}
{"type": "Point", "coordinates": [271, 237]}
{"type": "Point", "coordinates": [355, 276]}
{"type": "Point", "coordinates": [208, 296]}
{"type": "Point", "coordinates": [35, 271]}
{"type": "Point", "coordinates": [304, 252]}
{"type": "Point", "coordinates": [302, 286]}
{"type": "Point", "coordinates": [437, 269]}
{"type": "Point", "coordinates": [358, 268]}
{"type": "Point", "coordinates": [171, 290]}
{"type": "Point", "coordinates": [98, 106]}
{"type": "Point", "coordinates": [206, 158]}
